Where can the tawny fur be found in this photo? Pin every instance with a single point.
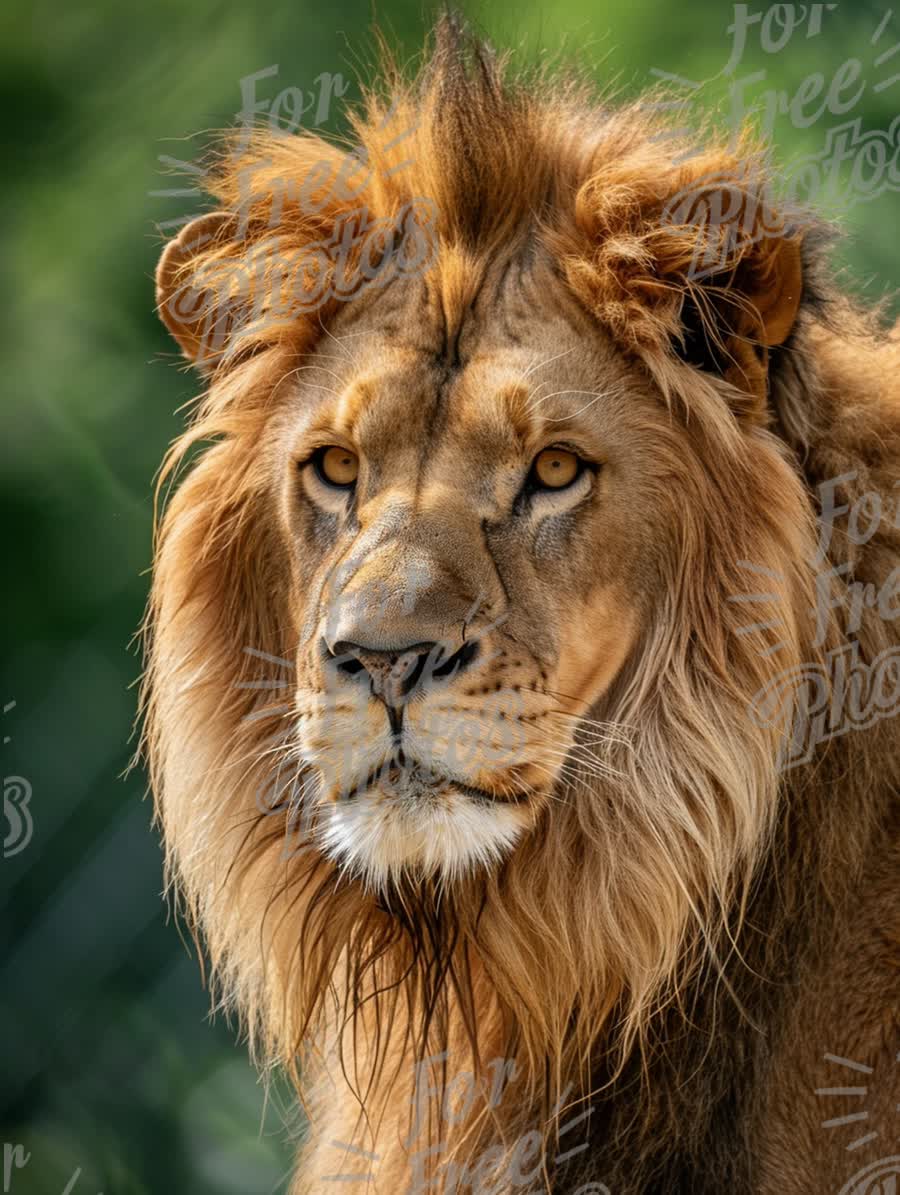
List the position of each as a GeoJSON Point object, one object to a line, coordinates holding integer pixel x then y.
{"type": "Point", "coordinates": [679, 938]}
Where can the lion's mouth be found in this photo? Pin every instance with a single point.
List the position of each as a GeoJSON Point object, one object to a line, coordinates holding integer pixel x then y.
{"type": "Point", "coordinates": [410, 817]}
{"type": "Point", "coordinates": [409, 780]}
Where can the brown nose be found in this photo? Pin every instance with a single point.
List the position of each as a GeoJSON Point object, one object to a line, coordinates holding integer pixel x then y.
{"type": "Point", "coordinates": [397, 674]}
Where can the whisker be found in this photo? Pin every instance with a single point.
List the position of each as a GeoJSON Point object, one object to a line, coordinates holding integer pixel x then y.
{"type": "Point", "coordinates": [325, 389]}
{"type": "Point", "coordinates": [583, 768]}
{"type": "Point", "coordinates": [303, 368]}
{"type": "Point", "coordinates": [595, 397]}
{"type": "Point", "coordinates": [542, 364]}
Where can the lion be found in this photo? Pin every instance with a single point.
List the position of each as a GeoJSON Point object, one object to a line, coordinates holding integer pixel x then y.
{"type": "Point", "coordinates": [523, 653]}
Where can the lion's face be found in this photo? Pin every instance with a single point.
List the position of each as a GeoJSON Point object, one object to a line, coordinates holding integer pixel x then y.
{"type": "Point", "coordinates": [473, 549]}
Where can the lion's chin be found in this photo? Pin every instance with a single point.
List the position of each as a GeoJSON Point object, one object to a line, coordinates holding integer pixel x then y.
{"type": "Point", "coordinates": [418, 828]}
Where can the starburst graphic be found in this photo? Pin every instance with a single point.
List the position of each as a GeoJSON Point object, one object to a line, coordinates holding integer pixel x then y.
{"type": "Point", "coordinates": [195, 185]}
{"type": "Point", "coordinates": [852, 1088]}
{"type": "Point", "coordinates": [682, 131]}
{"type": "Point", "coordinates": [765, 624]}
{"type": "Point", "coordinates": [73, 1182]}
{"type": "Point", "coordinates": [353, 1176]}
{"type": "Point", "coordinates": [190, 168]}
{"type": "Point", "coordinates": [840, 140]}
{"type": "Point", "coordinates": [887, 55]}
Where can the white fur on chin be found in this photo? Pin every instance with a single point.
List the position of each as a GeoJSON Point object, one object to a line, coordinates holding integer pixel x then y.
{"type": "Point", "coordinates": [376, 837]}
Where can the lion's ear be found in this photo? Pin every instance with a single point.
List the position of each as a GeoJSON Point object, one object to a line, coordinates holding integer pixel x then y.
{"type": "Point", "coordinates": [774, 289]}
{"type": "Point", "coordinates": [692, 259]}
{"type": "Point", "coordinates": [234, 279]}
{"type": "Point", "coordinates": [189, 309]}
{"type": "Point", "coordinates": [732, 317]}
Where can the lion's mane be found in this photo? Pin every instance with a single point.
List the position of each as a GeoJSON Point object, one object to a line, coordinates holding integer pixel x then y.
{"type": "Point", "coordinates": [670, 904]}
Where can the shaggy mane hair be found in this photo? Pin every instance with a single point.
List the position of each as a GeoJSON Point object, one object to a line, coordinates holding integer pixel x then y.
{"type": "Point", "coordinates": [634, 957]}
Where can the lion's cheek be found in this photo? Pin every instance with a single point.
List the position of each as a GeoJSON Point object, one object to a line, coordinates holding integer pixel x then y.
{"type": "Point", "coordinates": [596, 639]}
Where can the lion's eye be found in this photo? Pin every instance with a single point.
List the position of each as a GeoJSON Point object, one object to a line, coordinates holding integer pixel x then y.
{"type": "Point", "coordinates": [337, 466]}
{"type": "Point", "coordinates": [555, 468]}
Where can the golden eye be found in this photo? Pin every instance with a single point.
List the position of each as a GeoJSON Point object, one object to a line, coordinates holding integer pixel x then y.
{"type": "Point", "coordinates": [555, 468]}
{"type": "Point", "coordinates": [337, 466]}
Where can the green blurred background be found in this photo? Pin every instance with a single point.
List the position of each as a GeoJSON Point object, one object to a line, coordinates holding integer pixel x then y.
{"type": "Point", "coordinates": [112, 1074]}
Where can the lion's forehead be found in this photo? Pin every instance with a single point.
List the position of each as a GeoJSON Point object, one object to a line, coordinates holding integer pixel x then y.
{"type": "Point", "coordinates": [471, 355]}
{"type": "Point", "coordinates": [409, 411]}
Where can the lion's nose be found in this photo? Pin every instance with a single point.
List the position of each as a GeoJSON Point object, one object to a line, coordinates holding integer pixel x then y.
{"type": "Point", "coordinates": [396, 674]}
